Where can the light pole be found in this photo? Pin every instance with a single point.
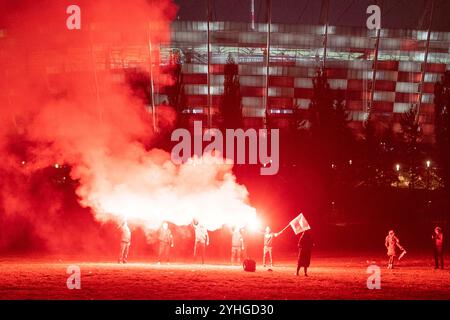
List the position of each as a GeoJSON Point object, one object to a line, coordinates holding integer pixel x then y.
{"type": "Point", "coordinates": [428, 164]}
{"type": "Point", "coordinates": [397, 168]}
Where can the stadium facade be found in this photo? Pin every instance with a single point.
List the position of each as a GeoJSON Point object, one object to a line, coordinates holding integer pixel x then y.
{"type": "Point", "coordinates": [381, 72]}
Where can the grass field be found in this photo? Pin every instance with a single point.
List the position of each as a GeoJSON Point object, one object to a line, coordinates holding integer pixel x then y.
{"type": "Point", "coordinates": [329, 278]}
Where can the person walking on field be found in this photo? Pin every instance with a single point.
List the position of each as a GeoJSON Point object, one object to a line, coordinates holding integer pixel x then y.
{"type": "Point", "coordinates": [392, 243]}
{"type": "Point", "coordinates": [305, 245]}
{"type": "Point", "coordinates": [237, 246]}
{"type": "Point", "coordinates": [125, 241]}
{"type": "Point", "coordinates": [438, 244]}
{"type": "Point", "coordinates": [165, 243]}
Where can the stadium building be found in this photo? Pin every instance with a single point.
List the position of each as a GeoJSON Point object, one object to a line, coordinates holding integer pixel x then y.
{"type": "Point", "coordinates": [381, 72]}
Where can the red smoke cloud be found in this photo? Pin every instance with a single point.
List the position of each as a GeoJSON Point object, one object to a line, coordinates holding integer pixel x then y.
{"type": "Point", "coordinates": [64, 99]}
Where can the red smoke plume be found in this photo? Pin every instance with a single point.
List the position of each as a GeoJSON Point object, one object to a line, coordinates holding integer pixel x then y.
{"type": "Point", "coordinates": [64, 100]}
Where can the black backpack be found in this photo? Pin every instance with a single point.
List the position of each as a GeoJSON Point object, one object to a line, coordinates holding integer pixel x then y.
{"type": "Point", "coordinates": [249, 265]}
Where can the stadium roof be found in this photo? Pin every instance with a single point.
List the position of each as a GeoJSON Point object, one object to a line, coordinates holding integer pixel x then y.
{"type": "Point", "coordinates": [396, 14]}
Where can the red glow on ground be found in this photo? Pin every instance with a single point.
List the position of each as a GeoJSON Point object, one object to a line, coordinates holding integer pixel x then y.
{"type": "Point", "coordinates": [330, 278]}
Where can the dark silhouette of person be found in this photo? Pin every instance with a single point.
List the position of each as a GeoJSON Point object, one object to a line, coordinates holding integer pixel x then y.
{"type": "Point", "coordinates": [438, 244]}
{"type": "Point", "coordinates": [305, 245]}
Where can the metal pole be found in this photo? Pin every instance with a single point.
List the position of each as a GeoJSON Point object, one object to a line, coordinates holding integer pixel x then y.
{"type": "Point", "coordinates": [425, 61]}
{"type": "Point", "coordinates": [209, 63]}
{"type": "Point", "coordinates": [325, 39]}
{"type": "Point", "coordinates": [152, 96]}
{"type": "Point", "coordinates": [374, 68]}
{"type": "Point", "coordinates": [269, 22]}
{"type": "Point", "coordinates": [94, 67]}
{"type": "Point", "coordinates": [374, 73]}
{"type": "Point", "coordinates": [253, 13]}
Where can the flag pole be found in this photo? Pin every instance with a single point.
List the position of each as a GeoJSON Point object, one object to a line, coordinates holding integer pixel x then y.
{"type": "Point", "coordinates": [284, 228]}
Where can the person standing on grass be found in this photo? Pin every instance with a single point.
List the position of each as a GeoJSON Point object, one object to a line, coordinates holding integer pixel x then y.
{"type": "Point", "coordinates": [125, 241]}
{"type": "Point", "coordinates": [305, 245]}
{"type": "Point", "coordinates": [391, 243]}
{"type": "Point", "coordinates": [438, 244]}
{"type": "Point", "coordinates": [165, 243]}
{"type": "Point", "coordinates": [201, 241]}
{"type": "Point", "coordinates": [268, 242]}
{"type": "Point", "coordinates": [237, 246]}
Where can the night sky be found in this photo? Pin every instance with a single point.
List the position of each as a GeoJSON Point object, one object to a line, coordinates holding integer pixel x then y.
{"type": "Point", "coordinates": [404, 14]}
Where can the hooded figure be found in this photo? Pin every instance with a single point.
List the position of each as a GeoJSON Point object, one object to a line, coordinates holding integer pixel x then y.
{"type": "Point", "coordinates": [125, 242]}
{"type": "Point", "coordinates": [305, 245]}
{"type": "Point", "coordinates": [237, 246]}
{"type": "Point", "coordinates": [165, 243]}
{"type": "Point", "coordinates": [201, 241]}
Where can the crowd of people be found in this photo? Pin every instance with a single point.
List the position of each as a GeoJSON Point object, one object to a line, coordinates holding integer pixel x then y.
{"type": "Point", "coordinates": [395, 251]}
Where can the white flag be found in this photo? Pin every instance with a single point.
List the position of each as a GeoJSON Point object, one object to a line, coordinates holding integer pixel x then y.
{"type": "Point", "coordinates": [299, 224]}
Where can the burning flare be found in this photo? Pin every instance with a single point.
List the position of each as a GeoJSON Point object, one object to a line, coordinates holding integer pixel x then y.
{"type": "Point", "coordinates": [64, 93]}
{"type": "Point", "coordinates": [152, 190]}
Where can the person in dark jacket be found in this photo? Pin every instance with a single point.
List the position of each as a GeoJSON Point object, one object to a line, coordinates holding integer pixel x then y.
{"type": "Point", "coordinates": [305, 245]}
{"type": "Point", "coordinates": [165, 243]}
{"type": "Point", "coordinates": [438, 244]}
